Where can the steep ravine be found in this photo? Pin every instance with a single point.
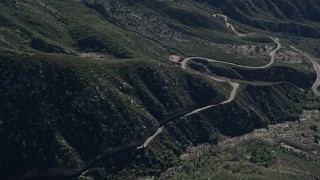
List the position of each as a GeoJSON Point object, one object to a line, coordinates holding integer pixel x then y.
{"type": "Point", "coordinates": [254, 107]}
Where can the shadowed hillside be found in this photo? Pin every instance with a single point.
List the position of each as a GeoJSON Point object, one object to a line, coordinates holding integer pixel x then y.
{"type": "Point", "coordinates": [298, 17]}
{"type": "Point", "coordinates": [101, 89]}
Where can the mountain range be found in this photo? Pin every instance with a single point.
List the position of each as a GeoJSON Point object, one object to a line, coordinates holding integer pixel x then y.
{"type": "Point", "coordinates": [122, 89]}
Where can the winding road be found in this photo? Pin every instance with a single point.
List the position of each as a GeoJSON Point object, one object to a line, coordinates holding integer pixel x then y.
{"type": "Point", "coordinates": [316, 66]}
{"type": "Point", "coordinates": [184, 65]}
{"type": "Point", "coordinates": [272, 55]}
{"type": "Point", "coordinates": [234, 86]}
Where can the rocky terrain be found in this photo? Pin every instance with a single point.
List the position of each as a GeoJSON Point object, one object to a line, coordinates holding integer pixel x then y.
{"type": "Point", "coordinates": [300, 138]}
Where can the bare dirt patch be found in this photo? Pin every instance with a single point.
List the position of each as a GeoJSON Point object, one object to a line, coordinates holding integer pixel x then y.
{"type": "Point", "coordinates": [174, 58]}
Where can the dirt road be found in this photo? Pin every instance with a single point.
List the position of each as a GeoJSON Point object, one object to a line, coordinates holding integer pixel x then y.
{"type": "Point", "coordinates": [76, 172]}
{"type": "Point", "coordinates": [229, 25]}
{"type": "Point", "coordinates": [316, 67]}
{"type": "Point", "coordinates": [145, 144]}
{"type": "Point", "coordinates": [234, 86]}
{"type": "Point", "coordinates": [272, 56]}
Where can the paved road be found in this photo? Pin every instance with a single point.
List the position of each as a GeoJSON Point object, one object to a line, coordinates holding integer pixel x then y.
{"type": "Point", "coordinates": [316, 66]}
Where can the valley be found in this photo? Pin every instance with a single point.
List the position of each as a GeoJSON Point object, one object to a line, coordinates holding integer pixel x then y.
{"type": "Point", "coordinates": [290, 144]}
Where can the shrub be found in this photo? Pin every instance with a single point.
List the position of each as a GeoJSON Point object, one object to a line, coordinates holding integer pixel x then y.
{"type": "Point", "coordinates": [88, 39]}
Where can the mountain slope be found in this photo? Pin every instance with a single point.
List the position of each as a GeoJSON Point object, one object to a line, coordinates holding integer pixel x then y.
{"type": "Point", "coordinates": [299, 17]}
{"type": "Point", "coordinates": [84, 84]}
{"type": "Point", "coordinates": [61, 112]}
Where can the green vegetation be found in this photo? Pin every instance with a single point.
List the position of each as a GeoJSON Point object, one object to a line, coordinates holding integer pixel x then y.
{"type": "Point", "coordinates": [262, 156]}
{"type": "Point", "coordinates": [314, 128]}
{"type": "Point", "coordinates": [91, 41]}
{"type": "Point", "coordinates": [69, 110]}
{"type": "Point", "coordinates": [268, 104]}
{"type": "Point", "coordinates": [258, 39]}
{"type": "Point", "coordinates": [250, 161]}
{"type": "Point", "coordinates": [276, 73]}
{"type": "Point", "coordinates": [80, 80]}
{"type": "Point", "coordinates": [299, 17]}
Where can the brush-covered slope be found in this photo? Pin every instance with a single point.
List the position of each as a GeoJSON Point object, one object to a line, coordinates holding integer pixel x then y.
{"type": "Point", "coordinates": [257, 106]}
{"type": "Point", "coordinates": [137, 28]}
{"type": "Point", "coordinates": [110, 28]}
{"type": "Point", "coordinates": [62, 111]}
{"type": "Point", "coordinates": [83, 79]}
{"type": "Point", "coordinates": [299, 17]}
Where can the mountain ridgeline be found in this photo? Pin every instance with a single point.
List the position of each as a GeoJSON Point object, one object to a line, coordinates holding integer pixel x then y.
{"type": "Point", "coordinates": [298, 17]}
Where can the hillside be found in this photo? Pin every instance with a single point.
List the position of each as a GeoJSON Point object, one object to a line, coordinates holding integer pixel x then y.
{"type": "Point", "coordinates": [110, 89]}
{"type": "Point", "coordinates": [59, 99]}
{"type": "Point", "coordinates": [299, 17]}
